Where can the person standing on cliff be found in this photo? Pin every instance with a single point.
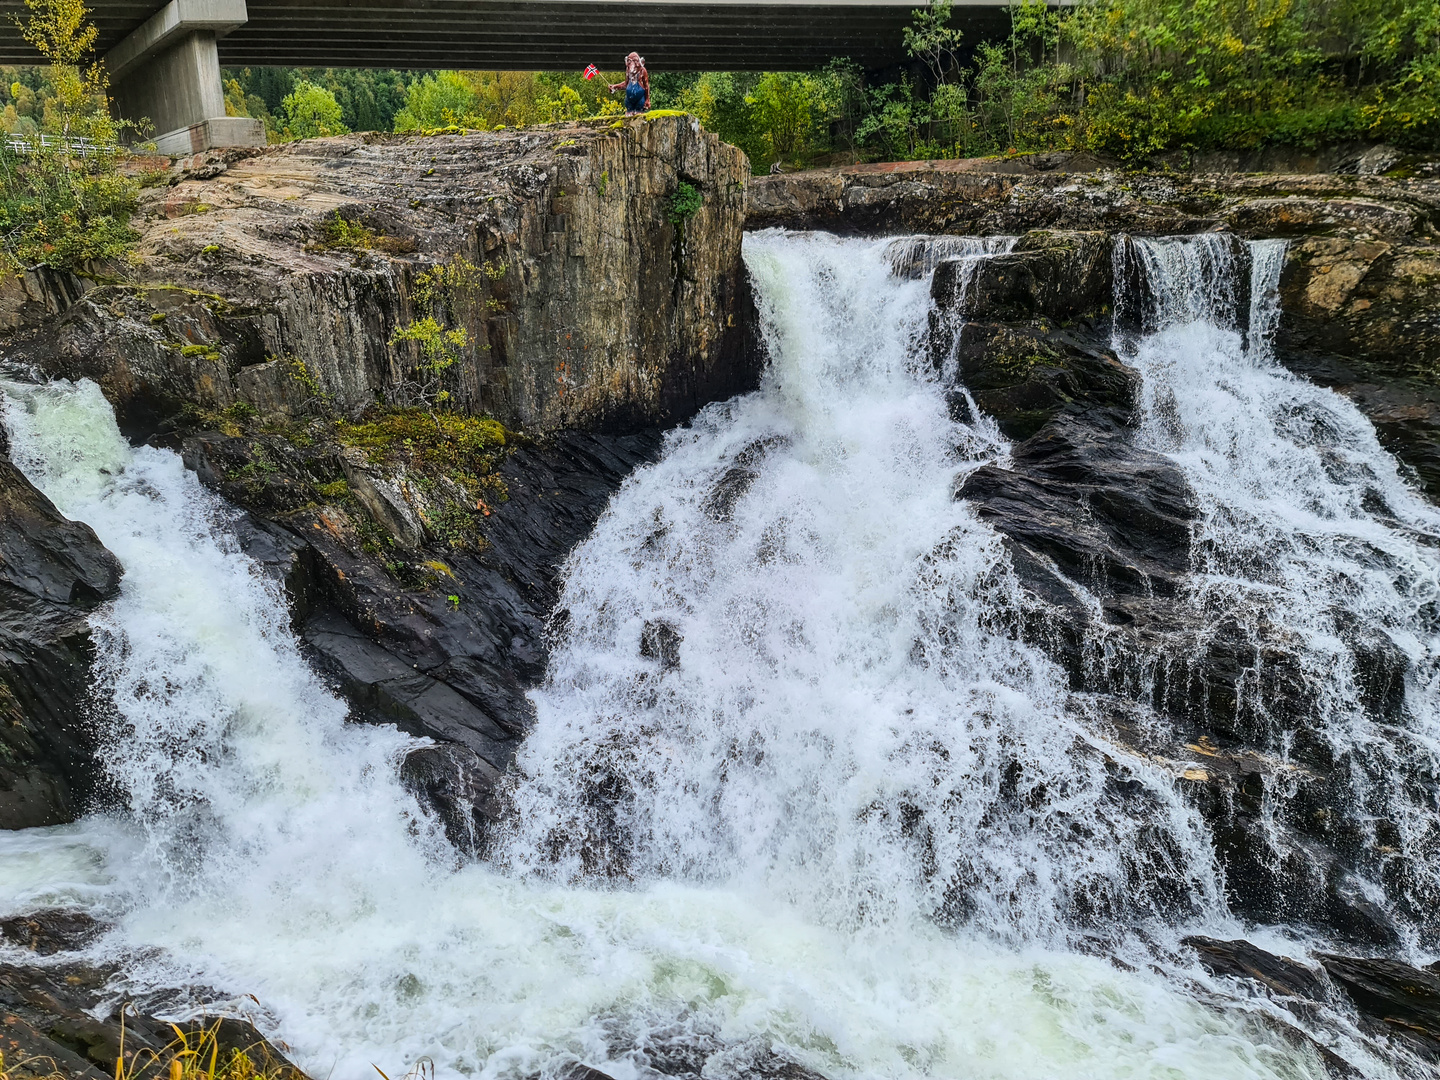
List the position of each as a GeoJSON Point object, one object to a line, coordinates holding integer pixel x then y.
{"type": "Point", "coordinates": [636, 84]}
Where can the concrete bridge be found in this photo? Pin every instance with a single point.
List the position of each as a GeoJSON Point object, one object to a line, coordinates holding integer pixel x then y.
{"type": "Point", "coordinates": [165, 59]}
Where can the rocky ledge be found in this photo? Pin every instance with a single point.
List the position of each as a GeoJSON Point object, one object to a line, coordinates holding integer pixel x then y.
{"type": "Point", "coordinates": [1360, 290]}
{"type": "Point", "coordinates": [590, 297]}
{"type": "Point", "coordinates": [65, 1020]}
{"type": "Point", "coordinates": [562, 294]}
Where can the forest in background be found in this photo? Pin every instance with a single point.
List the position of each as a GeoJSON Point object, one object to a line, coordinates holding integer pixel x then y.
{"type": "Point", "coordinates": [1132, 78]}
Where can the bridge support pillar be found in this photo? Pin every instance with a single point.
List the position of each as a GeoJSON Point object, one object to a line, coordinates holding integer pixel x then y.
{"type": "Point", "coordinates": [168, 72]}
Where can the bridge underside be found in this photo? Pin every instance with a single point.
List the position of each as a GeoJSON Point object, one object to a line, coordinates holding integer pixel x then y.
{"type": "Point", "coordinates": [561, 36]}
{"type": "Point", "coordinates": [673, 35]}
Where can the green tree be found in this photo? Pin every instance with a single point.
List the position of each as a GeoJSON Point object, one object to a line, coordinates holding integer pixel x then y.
{"type": "Point", "coordinates": [930, 39]}
{"type": "Point", "coordinates": [310, 111]}
{"type": "Point", "coordinates": [567, 104]}
{"type": "Point", "coordinates": [79, 105]}
{"type": "Point", "coordinates": [781, 110]}
{"type": "Point", "coordinates": [62, 202]}
{"type": "Point", "coordinates": [239, 103]}
{"type": "Point", "coordinates": [440, 100]}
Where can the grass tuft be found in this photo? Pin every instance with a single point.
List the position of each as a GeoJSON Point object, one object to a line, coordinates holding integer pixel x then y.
{"type": "Point", "coordinates": [198, 1054]}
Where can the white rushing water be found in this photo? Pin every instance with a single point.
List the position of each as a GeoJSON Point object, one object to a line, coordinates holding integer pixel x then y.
{"type": "Point", "coordinates": [793, 788]}
{"type": "Point", "coordinates": [1311, 541]}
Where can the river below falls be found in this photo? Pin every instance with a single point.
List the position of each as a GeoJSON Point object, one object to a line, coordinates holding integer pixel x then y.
{"type": "Point", "coordinates": [840, 669]}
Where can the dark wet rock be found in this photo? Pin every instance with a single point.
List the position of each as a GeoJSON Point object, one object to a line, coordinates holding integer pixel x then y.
{"type": "Point", "coordinates": [735, 482]}
{"type": "Point", "coordinates": [1098, 534]}
{"type": "Point", "coordinates": [693, 1050]}
{"type": "Point", "coordinates": [65, 1020]}
{"type": "Point", "coordinates": [1296, 987]}
{"type": "Point", "coordinates": [1275, 874]}
{"type": "Point", "coordinates": [729, 490]}
{"type": "Point", "coordinates": [1405, 998]}
{"type": "Point", "coordinates": [1397, 1002]}
{"type": "Point", "coordinates": [382, 688]}
{"type": "Point", "coordinates": [286, 557]}
{"type": "Point", "coordinates": [1023, 376]}
{"type": "Point", "coordinates": [660, 641]}
{"type": "Point", "coordinates": [1052, 274]}
{"type": "Point", "coordinates": [579, 1071]}
{"type": "Point", "coordinates": [1084, 507]}
{"type": "Point", "coordinates": [457, 785]}
{"type": "Point", "coordinates": [53, 572]}
{"type": "Point", "coordinates": [1273, 822]}
{"type": "Point", "coordinates": [1242, 960]}
{"type": "Point", "coordinates": [1026, 332]}
{"type": "Point", "coordinates": [51, 931]}
{"type": "Point", "coordinates": [690, 1057]}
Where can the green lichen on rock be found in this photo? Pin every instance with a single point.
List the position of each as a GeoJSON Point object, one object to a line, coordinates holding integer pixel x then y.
{"type": "Point", "coordinates": [467, 450]}
{"type": "Point", "coordinates": [342, 234]}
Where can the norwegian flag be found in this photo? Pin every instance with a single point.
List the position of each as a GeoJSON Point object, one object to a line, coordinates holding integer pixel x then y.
{"type": "Point", "coordinates": [591, 71]}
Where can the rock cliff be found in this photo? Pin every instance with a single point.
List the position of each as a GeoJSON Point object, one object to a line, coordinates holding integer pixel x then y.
{"type": "Point", "coordinates": [584, 282]}
{"type": "Point", "coordinates": [53, 572]}
{"type": "Point", "coordinates": [589, 296]}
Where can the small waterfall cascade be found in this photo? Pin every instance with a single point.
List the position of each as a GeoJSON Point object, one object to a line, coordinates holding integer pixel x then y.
{"type": "Point", "coordinates": [1312, 543]}
{"type": "Point", "coordinates": [797, 792]}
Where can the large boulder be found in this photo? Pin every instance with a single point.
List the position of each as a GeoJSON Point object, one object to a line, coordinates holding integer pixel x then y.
{"type": "Point", "coordinates": [53, 572]}
{"type": "Point", "coordinates": [424, 607]}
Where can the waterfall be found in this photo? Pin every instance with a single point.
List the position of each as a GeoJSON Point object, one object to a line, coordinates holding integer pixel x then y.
{"type": "Point", "coordinates": [796, 791]}
{"type": "Point", "coordinates": [1311, 540]}
{"type": "Point", "coordinates": [834, 707]}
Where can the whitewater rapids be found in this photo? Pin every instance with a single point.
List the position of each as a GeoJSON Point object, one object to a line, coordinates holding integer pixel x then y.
{"type": "Point", "coordinates": [828, 665]}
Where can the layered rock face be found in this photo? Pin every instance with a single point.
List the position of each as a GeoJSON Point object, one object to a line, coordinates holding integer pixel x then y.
{"type": "Point", "coordinates": [588, 300]}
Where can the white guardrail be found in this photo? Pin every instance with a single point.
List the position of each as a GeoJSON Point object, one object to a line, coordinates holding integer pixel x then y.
{"type": "Point", "coordinates": [29, 144]}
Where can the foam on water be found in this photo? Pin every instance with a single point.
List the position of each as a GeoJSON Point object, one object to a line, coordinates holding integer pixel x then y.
{"type": "Point", "coordinates": [844, 815]}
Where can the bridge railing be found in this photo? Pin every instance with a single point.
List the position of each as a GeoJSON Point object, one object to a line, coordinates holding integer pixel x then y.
{"type": "Point", "coordinates": [30, 144]}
